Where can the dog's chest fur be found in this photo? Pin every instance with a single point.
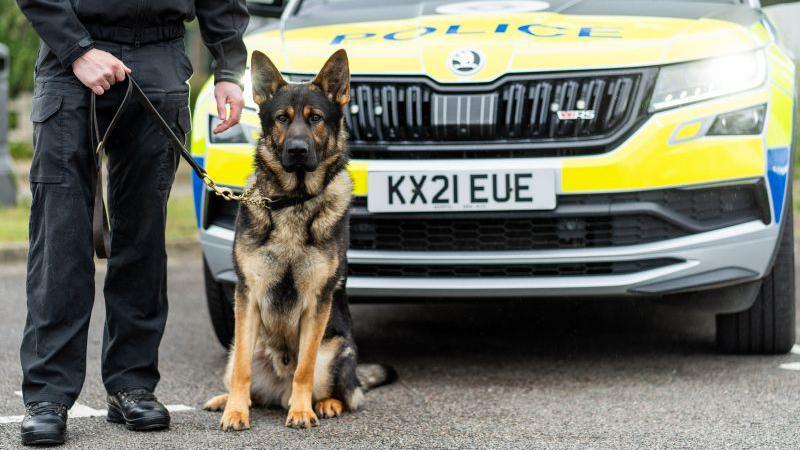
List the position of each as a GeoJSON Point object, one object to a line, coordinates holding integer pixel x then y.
{"type": "Point", "coordinates": [294, 257]}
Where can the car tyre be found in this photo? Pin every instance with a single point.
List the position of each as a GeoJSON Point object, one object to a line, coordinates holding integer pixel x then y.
{"type": "Point", "coordinates": [220, 306]}
{"type": "Point", "coordinates": [768, 327]}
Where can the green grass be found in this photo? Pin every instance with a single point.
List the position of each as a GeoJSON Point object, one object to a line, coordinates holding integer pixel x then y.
{"type": "Point", "coordinates": [20, 150]}
{"type": "Point", "coordinates": [796, 197]}
{"type": "Point", "coordinates": [13, 120]}
{"type": "Point", "coordinates": [14, 223]}
{"type": "Point", "coordinates": [180, 221]}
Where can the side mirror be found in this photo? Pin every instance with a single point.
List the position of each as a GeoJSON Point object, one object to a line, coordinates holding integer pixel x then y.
{"type": "Point", "coordinates": [266, 8]}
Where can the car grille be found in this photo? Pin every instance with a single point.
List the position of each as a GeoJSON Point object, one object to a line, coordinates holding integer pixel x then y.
{"type": "Point", "coordinates": [487, 234]}
{"type": "Point", "coordinates": [518, 115]}
{"type": "Point", "coordinates": [580, 221]}
{"type": "Point", "coordinates": [507, 270]}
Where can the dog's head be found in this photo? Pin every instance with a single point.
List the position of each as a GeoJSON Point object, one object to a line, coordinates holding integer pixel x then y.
{"type": "Point", "coordinates": [302, 123]}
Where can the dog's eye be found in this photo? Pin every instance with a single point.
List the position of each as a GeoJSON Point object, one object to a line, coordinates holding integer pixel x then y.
{"type": "Point", "coordinates": [283, 118]}
{"type": "Point", "coordinates": [316, 118]}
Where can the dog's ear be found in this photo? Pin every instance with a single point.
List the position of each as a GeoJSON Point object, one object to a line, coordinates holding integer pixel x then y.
{"type": "Point", "coordinates": [334, 78]}
{"type": "Point", "coordinates": [266, 77]}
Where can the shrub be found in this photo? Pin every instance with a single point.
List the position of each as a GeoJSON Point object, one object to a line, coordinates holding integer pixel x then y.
{"type": "Point", "coordinates": [23, 45]}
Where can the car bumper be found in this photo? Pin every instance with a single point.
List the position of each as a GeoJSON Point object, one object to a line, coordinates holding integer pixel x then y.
{"type": "Point", "coordinates": [721, 257]}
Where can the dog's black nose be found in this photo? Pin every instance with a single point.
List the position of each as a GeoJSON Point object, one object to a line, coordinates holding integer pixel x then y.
{"type": "Point", "coordinates": [297, 149]}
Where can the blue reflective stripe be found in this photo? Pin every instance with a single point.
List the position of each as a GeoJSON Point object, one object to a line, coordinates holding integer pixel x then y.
{"type": "Point", "coordinates": [778, 175]}
{"type": "Point", "coordinates": [197, 190]}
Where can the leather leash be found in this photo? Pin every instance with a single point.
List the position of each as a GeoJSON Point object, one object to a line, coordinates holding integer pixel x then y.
{"type": "Point", "coordinates": [101, 235]}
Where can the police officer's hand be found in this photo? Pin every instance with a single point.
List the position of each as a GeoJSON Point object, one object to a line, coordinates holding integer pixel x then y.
{"type": "Point", "coordinates": [98, 70]}
{"type": "Point", "coordinates": [228, 93]}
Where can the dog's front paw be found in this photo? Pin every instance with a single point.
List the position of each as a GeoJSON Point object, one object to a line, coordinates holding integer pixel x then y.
{"type": "Point", "coordinates": [235, 419]}
{"type": "Point", "coordinates": [328, 408]}
{"type": "Point", "coordinates": [301, 419]}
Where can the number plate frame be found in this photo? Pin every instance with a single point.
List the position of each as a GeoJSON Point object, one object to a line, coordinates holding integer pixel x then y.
{"type": "Point", "coordinates": [475, 190]}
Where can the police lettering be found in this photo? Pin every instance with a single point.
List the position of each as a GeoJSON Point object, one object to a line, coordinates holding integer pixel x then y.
{"type": "Point", "coordinates": [532, 30]}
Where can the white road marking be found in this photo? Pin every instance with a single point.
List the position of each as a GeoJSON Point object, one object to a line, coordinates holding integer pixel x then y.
{"type": "Point", "coordinates": [790, 366]}
{"type": "Point", "coordinates": [80, 410]}
{"type": "Point", "coordinates": [179, 408]}
{"type": "Point", "coordinates": [11, 419]}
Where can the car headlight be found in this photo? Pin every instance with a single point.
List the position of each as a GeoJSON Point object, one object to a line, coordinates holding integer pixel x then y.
{"type": "Point", "coordinates": [679, 84]}
{"type": "Point", "coordinates": [240, 133]}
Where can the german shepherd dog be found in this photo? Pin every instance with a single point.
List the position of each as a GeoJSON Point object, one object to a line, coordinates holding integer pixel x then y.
{"type": "Point", "coordinates": [293, 344]}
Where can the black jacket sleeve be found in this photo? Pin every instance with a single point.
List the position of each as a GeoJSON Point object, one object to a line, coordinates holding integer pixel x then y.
{"type": "Point", "coordinates": [222, 24]}
{"type": "Point", "coordinates": [58, 26]}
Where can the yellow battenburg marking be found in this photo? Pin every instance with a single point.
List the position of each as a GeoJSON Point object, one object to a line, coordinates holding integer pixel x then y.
{"type": "Point", "coordinates": [782, 68]}
{"type": "Point", "coordinates": [647, 161]}
{"type": "Point", "coordinates": [781, 98]}
{"type": "Point", "coordinates": [230, 164]}
{"type": "Point", "coordinates": [200, 126]}
{"type": "Point", "coordinates": [779, 119]}
{"type": "Point", "coordinates": [358, 172]}
{"type": "Point", "coordinates": [760, 32]}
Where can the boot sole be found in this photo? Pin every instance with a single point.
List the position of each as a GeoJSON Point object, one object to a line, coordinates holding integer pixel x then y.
{"type": "Point", "coordinates": [142, 424]}
{"type": "Point", "coordinates": [42, 439]}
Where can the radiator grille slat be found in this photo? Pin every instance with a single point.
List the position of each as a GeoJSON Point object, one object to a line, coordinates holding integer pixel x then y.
{"type": "Point", "coordinates": [411, 112]}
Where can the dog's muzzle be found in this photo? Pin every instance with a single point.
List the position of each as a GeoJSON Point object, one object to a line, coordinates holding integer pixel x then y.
{"type": "Point", "coordinates": [298, 156]}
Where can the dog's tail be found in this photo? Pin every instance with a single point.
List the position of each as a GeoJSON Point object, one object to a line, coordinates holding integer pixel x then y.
{"type": "Point", "coordinates": [375, 375]}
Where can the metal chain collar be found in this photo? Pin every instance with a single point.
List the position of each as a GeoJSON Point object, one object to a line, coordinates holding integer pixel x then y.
{"type": "Point", "coordinates": [249, 196]}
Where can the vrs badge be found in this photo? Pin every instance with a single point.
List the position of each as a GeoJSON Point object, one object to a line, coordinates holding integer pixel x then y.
{"type": "Point", "coordinates": [576, 114]}
{"type": "Point", "coordinates": [466, 61]}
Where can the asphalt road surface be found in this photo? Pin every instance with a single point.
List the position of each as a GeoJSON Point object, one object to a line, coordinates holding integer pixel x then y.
{"type": "Point", "coordinates": [492, 375]}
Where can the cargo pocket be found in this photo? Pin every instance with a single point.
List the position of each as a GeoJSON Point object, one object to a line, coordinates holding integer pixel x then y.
{"type": "Point", "coordinates": [169, 162]}
{"type": "Point", "coordinates": [184, 120]}
{"type": "Point", "coordinates": [48, 163]}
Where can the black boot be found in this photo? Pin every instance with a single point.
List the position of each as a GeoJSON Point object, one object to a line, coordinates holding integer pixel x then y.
{"type": "Point", "coordinates": [138, 409]}
{"type": "Point", "coordinates": [45, 423]}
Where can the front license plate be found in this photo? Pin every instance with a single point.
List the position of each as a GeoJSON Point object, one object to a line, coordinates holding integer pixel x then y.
{"type": "Point", "coordinates": [470, 190]}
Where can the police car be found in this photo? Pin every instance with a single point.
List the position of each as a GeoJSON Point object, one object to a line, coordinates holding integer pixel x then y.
{"type": "Point", "coordinates": [554, 148]}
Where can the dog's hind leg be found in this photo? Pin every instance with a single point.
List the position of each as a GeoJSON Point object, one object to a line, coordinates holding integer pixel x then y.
{"type": "Point", "coordinates": [328, 408]}
{"type": "Point", "coordinates": [266, 387]}
{"type": "Point", "coordinates": [326, 375]}
{"type": "Point", "coordinates": [248, 320]}
{"type": "Point", "coordinates": [216, 403]}
{"type": "Point", "coordinates": [347, 386]}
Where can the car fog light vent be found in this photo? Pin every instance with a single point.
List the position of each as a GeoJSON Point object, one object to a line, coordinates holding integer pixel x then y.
{"type": "Point", "coordinates": [571, 230]}
{"type": "Point", "coordinates": [741, 122]}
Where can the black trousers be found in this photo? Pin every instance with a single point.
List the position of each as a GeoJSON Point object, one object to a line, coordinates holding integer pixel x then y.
{"type": "Point", "coordinates": [60, 281]}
